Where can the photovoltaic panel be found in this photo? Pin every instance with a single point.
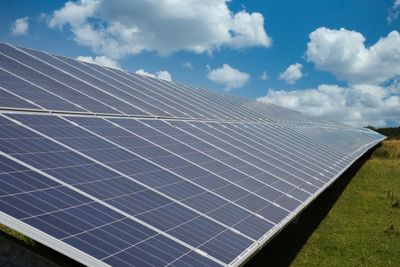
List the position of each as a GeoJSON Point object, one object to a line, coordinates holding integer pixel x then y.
{"type": "Point", "coordinates": [114, 168]}
{"type": "Point", "coordinates": [71, 219]}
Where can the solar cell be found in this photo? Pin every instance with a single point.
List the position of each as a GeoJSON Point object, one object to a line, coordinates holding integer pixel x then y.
{"type": "Point", "coordinates": [46, 81]}
{"type": "Point", "coordinates": [114, 168]}
{"type": "Point", "coordinates": [78, 79]}
{"type": "Point", "coordinates": [118, 88]}
{"type": "Point", "coordinates": [9, 100]}
{"type": "Point", "coordinates": [151, 95]}
{"type": "Point", "coordinates": [79, 225]}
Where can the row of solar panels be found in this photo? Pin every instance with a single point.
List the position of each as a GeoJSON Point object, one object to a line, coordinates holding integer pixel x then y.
{"type": "Point", "coordinates": [36, 80]}
{"type": "Point", "coordinates": [114, 168]}
{"type": "Point", "coordinates": [285, 115]}
{"type": "Point", "coordinates": [156, 192]}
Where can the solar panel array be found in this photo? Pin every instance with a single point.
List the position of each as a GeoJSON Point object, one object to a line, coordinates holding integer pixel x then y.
{"type": "Point", "coordinates": [114, 168]}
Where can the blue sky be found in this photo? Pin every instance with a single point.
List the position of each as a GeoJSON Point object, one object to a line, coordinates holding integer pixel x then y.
{"type": "Point", "coordinates": [229, 46]}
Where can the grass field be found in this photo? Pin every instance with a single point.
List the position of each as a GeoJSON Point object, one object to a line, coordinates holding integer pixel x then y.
{"type": "Point", "coordinates": [356, 222]}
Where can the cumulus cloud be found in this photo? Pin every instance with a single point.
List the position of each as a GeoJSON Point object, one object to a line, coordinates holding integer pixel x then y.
{"type": "Point", "coordinates": [264, 76]}
{"type": "Point", "coordinates": [356, 105]}
{"type": "Point", "coordinates": [100, 60]}
{"type": "Point", "coordinates": [120, 27]}
{"type": "Point", "coordinates": [343, 53]}
{"type": "Point", "coordinates": [20, 26]}
{"type": "Point", "coordinates": [372, 96]}
{"type": "Point", "coordinates": [292, 73]}
{"type": "Point", "coordinates": [162, 74]}
{"type": "Point", "coordinates": [227, 76]}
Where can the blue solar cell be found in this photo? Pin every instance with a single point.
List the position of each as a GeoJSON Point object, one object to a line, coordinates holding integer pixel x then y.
{"type": "Point", "coordinates": [274, 143]}
{"type": "Point", "coordinates": [199, 105]}
{"type": "Point", "coordinates": [53, 85]}
{"type": "Point", "coordinates": [79, 171]}
{"type": "Point", "coordinates": [211, 107]}
{"type": "Point", "coordinates": [76, 91]}
{"type": "Point", "coordinates": [171, 162]}
{"type": "Point", "coordinates": [150, 96]}
{"type": "Point", "coordinates": [183, 97]}
{"type": "Point", "coordinates": [8, 100]}
{"type": "Point", "coordinates": [79, 221]}
{"type": "Point", "coordinates": [217, 167]}
{"type": "Point", "coordinates": [225, 103]}
{"type": "Point", "coordinates": [239, 150]}
{"type": "Point", "coordinates": [193, 259]}
{"type": "Point", "coordinates": [119, 88]}
{"type": "Point", "coordinates": [33, 93]}
{"type": "Point", "coordinates": [95, 87]}
{"type": "Point", "coordinates": [168, 99]}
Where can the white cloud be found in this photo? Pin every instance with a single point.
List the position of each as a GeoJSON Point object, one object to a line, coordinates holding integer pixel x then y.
{"type": "Point", "coordinates": [373, 94]}
{"type": "Point", "coordinates": [264, 76]}
{"type": "Point", "coordinates": [292, 73]}
{"type": "Point", "coordinates": [229, 77]}
{"type": "Point", "coordinates": [100, 60]}
{"type": "Point", "coordinates": [74, 13]}
{"type": "Point", "coordinates": [20, 26]}
{"type": "Point", "coordinates": [356, 105]}
{"type": "Point", "coordinates": [188, 65]}
{"type": "Point", "coordinates": [394, 11]}
{"type": "Point", "coordinates": [120, 27]}
{"type": "Point", "coordinates": [344, 54]}
{"type": "Point", "coordinates": [162, 74]}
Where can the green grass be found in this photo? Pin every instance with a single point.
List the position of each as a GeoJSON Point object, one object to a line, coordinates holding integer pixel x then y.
{"type": "Point", "coordinates": [390, 149]}
{"type": "Point", "coordinates": [355, 223]}
{"type": "Point", "coordinates": [17, 235]}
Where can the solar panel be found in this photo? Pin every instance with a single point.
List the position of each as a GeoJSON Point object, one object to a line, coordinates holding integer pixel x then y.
{"type": "Point", "coordinates": [114, 168]}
